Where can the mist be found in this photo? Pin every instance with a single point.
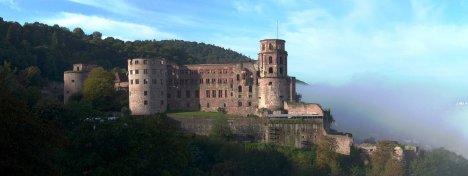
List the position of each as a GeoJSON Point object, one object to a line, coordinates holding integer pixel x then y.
{"type": "Point", "coordinates": [428, 114]}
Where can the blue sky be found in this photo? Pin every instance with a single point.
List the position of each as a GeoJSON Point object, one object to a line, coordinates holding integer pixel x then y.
{"type": "Point", "coordinates": [415, 51]}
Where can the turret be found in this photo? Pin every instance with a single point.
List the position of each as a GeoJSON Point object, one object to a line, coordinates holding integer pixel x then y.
{"type": "Point", "coordinates": [147, 86]}
{"type": "Point", "coordinates": [273, 83]}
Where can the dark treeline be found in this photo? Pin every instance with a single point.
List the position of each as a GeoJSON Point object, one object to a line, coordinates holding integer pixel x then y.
{"type": "Point", "coordinates": [53, 49]}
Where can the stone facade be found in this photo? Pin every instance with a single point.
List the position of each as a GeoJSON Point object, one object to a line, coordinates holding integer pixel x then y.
{"type": "Point", "coordinates": [156, 85]}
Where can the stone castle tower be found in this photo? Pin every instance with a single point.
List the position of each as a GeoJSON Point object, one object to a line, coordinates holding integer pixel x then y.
{"type": "Point", "coordinates": [73, 80]}
{"type": "Point", "coordinates": [147, 86]}
{"type": "Point", "coordinates": [273, 80]}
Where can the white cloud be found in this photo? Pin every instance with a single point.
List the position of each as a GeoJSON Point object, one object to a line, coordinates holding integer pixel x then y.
{"type": "Point", "coordinates": [109, 27]}
{"type": "Point", "coordinates": [248, 6]}
{"type": "Point", "coordinates": [13, 4]}
{"type": "Point", "coordinates": [325, 48]}
{"type": "Point", "coordinates": [114, 6]}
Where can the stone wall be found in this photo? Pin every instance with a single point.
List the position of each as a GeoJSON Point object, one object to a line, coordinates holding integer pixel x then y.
{"type": "Point", "coordinates": [300, 133]}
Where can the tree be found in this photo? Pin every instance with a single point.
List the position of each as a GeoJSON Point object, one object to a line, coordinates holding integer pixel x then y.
{"type": "Point", "coordinates": [384, 161]}
{"type": "Point", "coordinates": [99, 88]}
{"type": "Point", "coordinates": [439, 162]}
{"type": "Point", "coordinates": [327, 159]}
{"type": "Point", "coordinates": [125, 147]}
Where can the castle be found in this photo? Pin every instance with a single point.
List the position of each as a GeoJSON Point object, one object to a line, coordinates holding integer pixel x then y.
{"type": "Point", "coordinates": [261, 88]}
{"type": "Point", "coordinates": [156, 85]}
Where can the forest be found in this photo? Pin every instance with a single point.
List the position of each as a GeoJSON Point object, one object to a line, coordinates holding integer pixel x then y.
{"type": "Point", "coordinates": [54, 49]}
{"type": "Point", "coordinates": [93, 134]}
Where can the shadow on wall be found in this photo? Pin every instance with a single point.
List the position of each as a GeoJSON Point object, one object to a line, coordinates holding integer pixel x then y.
{"type": "Point", "coordinates": [429, 115]}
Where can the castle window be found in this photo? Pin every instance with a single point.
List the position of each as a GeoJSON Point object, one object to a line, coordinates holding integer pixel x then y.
{"type": "Point", "coordinates": [238, 77]}
{"type": "Point", "coordinates": [259, 97]}
{"type": "Point", "coordinates": [213, 92]}
{"type": "Point", "coordinates": [281, 70]}
{"type": "Point", "coordinates": [161, 81]}
{"type": "Point", "coordinates": [250, 89]}
{"type": "Point", "coordinates": [213, 81]}
{"type": "Point", "coordinates": [225, 93]}
{"type": "Point", "coordinates": [136, 72]}
{"type": "Point", "coordinates": [145, 71]}
{"type": "Point", "coordinates": [179, 94]}
{"type": "Point", "coordinates": [145, 102]}
{"type": "Point", "coordinates": [137, 81]}
{"type": "Point", "coordinates": [145, 92]}
{"type": "Point", "coordinates": [145, 81]}
{"type": "Point", "coordinates": [270, 70]}
{"type": "Point", "coordinates": [201, 81]}
{"type": "Point", "coordinates": [131, 62]}
{"type": "Point", "coordinates": [263, 47]}
{"type": "Point", "coordinates": [207, 105]}
{"type": "Point", "coordinates": [224, 104]}
{"type": "Point", "coordinates": [207, 93]}
{"type": "Point", "coordinates": [249, 104]}
{"type": "Point", "coordinates": [270, 83]}
{"type": "Point", "coordinates": [155, 81]}
{"type": "Point", "coordinates": [220, 93]}
{"type": "Point", "coordinates": [207, 81]}
{"type": "Point", "coordinates": [145, 61]}
{"type": "Point", "coordinates": [281, 60]}
{"type": "Point", "coordinates": [239, 89]}
{"type": "Point", "coordinates": [239, 104]}
{"type": "Point", "coordinates": [243, 76]}
{"type": "Point", "coordinates": [162, 102]}
{"type": "Point", "coordinates": [232, 94]}
{"type": "Point", "coordinates": [270, 60]}
{"type": "Point", "coordinates": [136, 62]}
{"type": "Point", "coordinates": [187, 93]}
{"type": "Point", "coordinates": [72, 80]}
{"type": "Point", "coordinates": [197, 94]}
{"type": "Point", "coordinates": [270, 46]}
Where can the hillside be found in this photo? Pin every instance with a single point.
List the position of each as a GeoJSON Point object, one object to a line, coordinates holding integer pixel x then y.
{"type": "Point", "coordinates": [53, 49]}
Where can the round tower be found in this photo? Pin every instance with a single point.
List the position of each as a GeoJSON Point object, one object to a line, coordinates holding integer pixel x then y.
{"type": "Point", "coordinates": [273, 84]}
{"type": "Point", "coordinates": [147, 86]}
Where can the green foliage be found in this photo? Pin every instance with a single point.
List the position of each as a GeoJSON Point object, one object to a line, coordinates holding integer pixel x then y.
{"type": "Point", "coordinates": [53, 49]}
{"type": "Point", "coordinates": [439, 162]}
{"type": "Point", "coordinates": [26, 141]}
{"type": "Point", "coordinates": [383, 161]}
{"type": "Point", "coordinates": [99, 88]}
{"type": "Point", "coordinates": [125, 147]}
{"type": "Point", "coordinates": [326, 158]}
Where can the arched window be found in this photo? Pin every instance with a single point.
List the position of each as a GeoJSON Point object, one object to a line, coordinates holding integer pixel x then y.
{"type": "Point", "coordinates": [270, 60]}
{"type": "Point", "coordinates": [270, 70]}
{"type": "Point", "coordinates": [239, 89]}
{"type": "Point", "coordinates": [281, 60]}
{"type": "Point", "coordinates": [238, 77]}
{"type": "Point", "coordinates": [281, 70]}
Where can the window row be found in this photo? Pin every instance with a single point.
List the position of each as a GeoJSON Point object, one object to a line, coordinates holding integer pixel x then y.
{"type": "Point", "coordinates": [146, 81]}
{"type": "Point", "coordinates": [146, 71]}
{"type": "Point", "coordinates": [145, 102]}
{"type": "Point", "coordinates": [188, 94]}
{"type": "Point", "coordinates": [136, 62]}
